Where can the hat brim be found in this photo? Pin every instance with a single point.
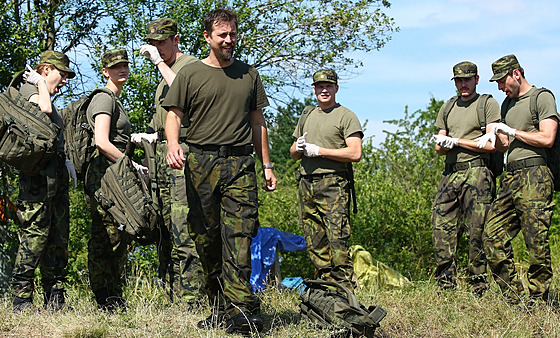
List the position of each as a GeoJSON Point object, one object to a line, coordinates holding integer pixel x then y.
{"type": "Point", "coordinates": [158, 37]}
{"type": "Point", "coordinates": [67, 70]}
{"type": "Point", "coordinates": [329, 81]}
{"type": "Point", "coordinates": [111, 64]}
{"type": "Point", "coordinates": [498, 76]}
{"type": "Point", "coordinates": [463, 75]}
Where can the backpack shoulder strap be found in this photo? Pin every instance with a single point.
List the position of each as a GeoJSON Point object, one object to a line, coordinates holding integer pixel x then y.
{"type": "Point", "coordinates": [504, 108]}
{"type": "Point", "coordinates": [447, 106]}
{"type": "Point", "coordinates": [481, 111]}
{"type": "Point", "coordinates": [533, 104]}
{"type": "Point", "coordinates": [303, 117]}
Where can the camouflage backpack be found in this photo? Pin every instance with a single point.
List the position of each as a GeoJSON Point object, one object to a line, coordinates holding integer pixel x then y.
{"type": "Point", "coordinates": [553, 153]}
{"type": "Point", "coordinates": [78, 134]}
{"type": "Point", "coordinates": [331, 304]}
{"type": "Point", "coordinates": [125, 195]}
{"type": "Point", "coordinates": [496, 161]}
{"type": "Point", "coordinates": [28, 137]}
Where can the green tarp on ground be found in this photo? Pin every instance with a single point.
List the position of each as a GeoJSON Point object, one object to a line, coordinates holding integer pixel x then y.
{"type": "Point", "coordinates": [373, 274]}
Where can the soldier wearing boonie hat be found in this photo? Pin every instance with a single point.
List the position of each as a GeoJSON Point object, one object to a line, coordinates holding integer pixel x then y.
{"type": "Point", "coordinates": [113, 57]}
{"type": "Point", "coordinates": [179, 263]}
{"type": "Point", "coordinates": [324, 180]}
{"type": "Point", "coordinates": [529, 127]}
{"type": "Point", "coordinates": [465, 170]}
{"type": "Point", "coordinates": [59, 60]}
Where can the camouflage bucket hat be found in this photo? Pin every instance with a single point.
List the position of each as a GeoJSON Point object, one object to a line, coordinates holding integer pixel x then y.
{"type": "Point", "coordinates": [503, 66]}
{"type": "Point", "coordinates": [161, 29]}
{"type": "Point", "coordinates": [325, 75]}
{"type": "Point", "coordinates": [464, 69]}
{"type": "Point", "coordinates": [57, 59]}
{"type": "Point", "coordinates": [114, 56]}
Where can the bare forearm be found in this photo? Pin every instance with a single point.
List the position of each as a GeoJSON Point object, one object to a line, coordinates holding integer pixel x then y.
{"type": "Point", "coordinates": [173, 125]}
{"type": "Point", "coordinates": [167, 73]}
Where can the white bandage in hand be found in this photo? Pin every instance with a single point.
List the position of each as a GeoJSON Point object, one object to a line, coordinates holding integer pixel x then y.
{"type": "Point", "coordinates": [137, 138]}
{"type": "Point", "coordinates": [483, 140]}
{"type": "Point", "coordinates": [31, 76]}
{"type": "Point", "coordinates": [445, 141]}
{"type": "Point", "coordinates": [300, 143]}
{"type": "Point", "coordinates": [151, 52]}
{"type": "Point", "coordinates": [310, 150]}
{"type": "Point", "coordinates": [72, 173]}
{"type": "Point", "coordinates": [504, 129]}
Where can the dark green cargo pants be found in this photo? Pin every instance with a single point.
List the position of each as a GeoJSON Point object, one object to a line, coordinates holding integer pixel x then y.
{"type": "Point", "coordinates": [524, 203]}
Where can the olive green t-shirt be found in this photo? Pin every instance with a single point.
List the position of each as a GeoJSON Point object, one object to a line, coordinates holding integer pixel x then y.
{"type": "Point", "coordinates": [462, 122]}
{"type": "Point", "coordinates": [518, 116]}
{"type": "Point", "coordinates": [158, 120]}
{"type": "Point", "coordinates": [218, 102]}
{"type": "Point", "coordinates": [102, 103]}
{"type": "Point", "coordinates": [27, 90]}
{"type": "Point", "coordinates": [327, 128]}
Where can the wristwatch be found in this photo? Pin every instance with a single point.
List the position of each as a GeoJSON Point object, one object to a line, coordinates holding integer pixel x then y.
{"type": "Point", "coordinates": [268, 166]}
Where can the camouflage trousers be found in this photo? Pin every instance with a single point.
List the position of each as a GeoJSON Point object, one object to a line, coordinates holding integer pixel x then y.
{"type": "Point", "coordinates": [524, 203]}
{"type": "Point", "coordinates": [324, 204]}
{"type": "Point", "coordinates": [461, 203]}
{"type": "Point", "coordinates": [45, 230]}
{"type": "Point", "coordinates": [223, 218]}
{"type": "Point", "coordinates": [179, 264]}
{"type": "Point", "coordinates": [108, 246]}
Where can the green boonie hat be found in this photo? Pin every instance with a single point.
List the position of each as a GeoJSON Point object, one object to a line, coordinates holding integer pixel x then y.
{"type": "Point", "coordinates": [161, 29]}
{"type": "Point", "coordinates": [114, 56]}
{"type": "Point", "coordinates": [503, 66]}
{"type": "Point", "coordinates": [464, 69]}
{"type": "Point", "coordinates": [57, 59]}
{"type": "Point", "coordinates": [325, 75]}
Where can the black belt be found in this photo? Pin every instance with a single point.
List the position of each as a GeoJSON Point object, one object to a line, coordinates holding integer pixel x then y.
{"type": "Point", "coordinates": [453, 167]}
{"type": "Point", "coordinates": [318, 177]}
{"type": "Point", "coordinates": [161, 134]}
{"type": "Point", "coordinates": [526, 163]}
{"type": "Point", "coordinates": [222, 151]}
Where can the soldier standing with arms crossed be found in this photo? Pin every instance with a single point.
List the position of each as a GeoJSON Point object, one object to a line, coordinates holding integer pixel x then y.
{"type": "Point", "coordinates": [179, 265]}
{"type": "Point", "coordinates": [328, 140]}
{"type": "Point", "coordinates": [223, 99]}
{"type": "Point", "coordinates": [524, 200]}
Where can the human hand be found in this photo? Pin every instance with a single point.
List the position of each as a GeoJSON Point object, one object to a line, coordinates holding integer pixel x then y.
{"type": "Point", "coordinates": [137, 138]}
{"type": "Point", "coordinates": [504, 129]}
{"type": "Point", "coordinates": [72, 173]}
{"type": "Point", "coordinates": [270, 180]}
{"type": "Point", "coordinates": [31, 76]}
{"type": "Point", "coordinates": [484, 139]}
{"type": "Point", "coordinates": [300, 143]}
{"type": "Point", "coordinates": [445, 141]}
{"type": "Point", "coordinates": [143, 171]}
{"type": "Point", "coordinates": [151, 52]}
{"type": "Point", "coordinates": [175, 156]}
{"type": "Point", "coordinates": [310, 150]}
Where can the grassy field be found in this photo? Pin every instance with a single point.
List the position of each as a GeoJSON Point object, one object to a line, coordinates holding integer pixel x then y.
{"type": "Point", "coordinates": [420, 310]}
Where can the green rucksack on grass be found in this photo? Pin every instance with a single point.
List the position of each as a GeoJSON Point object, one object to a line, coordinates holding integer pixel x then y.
{"type": "Point", "coordinates": [28, 137]}
{"type": "Point", "coordinates": [125, 195]}
{"type": "Point", "coordinates": [331, 304]}
{"type": "Point", "coordinates": [78, 134]}
{"type": "Point", "coordinates": [553, 153]}
{"type": "Point", "coordinates": [496, 160]}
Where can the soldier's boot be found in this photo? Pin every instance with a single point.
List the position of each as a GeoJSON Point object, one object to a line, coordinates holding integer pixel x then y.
{"type": "Point", "coordinates": [55, 301]}
{"type": "Point", "coordinates": [214, 321]}
{"type": "Point", "coordinates": [479, 285]}
{"type": "Point", "coordinates": [244, 323]}
{"type": "Point", "coordinates": [22, 304]}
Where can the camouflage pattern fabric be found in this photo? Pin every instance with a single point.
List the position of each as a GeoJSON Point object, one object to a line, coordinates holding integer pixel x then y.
{"type": "Point", "coordinates": [57, 59]}
{"type": "Point", "coordinates": [461, 203]}
{"type": "Point", "coordinates": [108, 246]}
{"type": "Point", "coordinates": [524, 203]}
{"type": "Point", "coordinates": [324, 203]}
{"type": "Point", "coordinates": [113, 57]}
{"type": "Point", "coordinates": [179, 264]}
{"type": "Point", "coordinates": [222, 195]}
{"type": "Point", "coordinates": [45, 230]}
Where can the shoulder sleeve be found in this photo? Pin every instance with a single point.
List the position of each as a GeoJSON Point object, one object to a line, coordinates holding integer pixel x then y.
{"type": "Point", "coordinates": [260, 100]}
{"type": "Point", "coordinates": [27, 90]}
{"type": "Point", "coordinates": [440, 124]}
{"type": "Point", "coordinates": [351, 124]}
{"type": "Point", "coordinates": [101, 103]}
{"type": "Point", "coordinates": [178, 91]}
{"type": "Point", "coordinates": [492, 110]}
{"type": "Point", "coordinates": [546, 106]}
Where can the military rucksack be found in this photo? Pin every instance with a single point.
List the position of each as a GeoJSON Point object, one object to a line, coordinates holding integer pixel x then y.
{"type": "Point", "coordinates": [496, 160]}
{"type": "Point", "coordinates": [79, 140]}
{"type": "Point", "coordinates": [125, 195]}
{"type": "Point", "coordinates": [331, 304]}
{"type": "Point", "coordinates": [28, 137]}
{"type": "Point", "coordinates": [553, 153]}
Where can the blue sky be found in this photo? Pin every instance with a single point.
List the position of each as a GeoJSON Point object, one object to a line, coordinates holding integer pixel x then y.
{"type": "Point", "coordinates": [435, 35]}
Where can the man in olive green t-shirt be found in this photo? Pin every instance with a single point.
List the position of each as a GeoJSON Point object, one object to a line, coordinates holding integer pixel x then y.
{"type": "Point", "coordinates": [524, 200]}
{"type": "Point", "coordinates": [223, 99]}
{"type": "Point", "coordinates": [467, 186]}
{"type": "Point", "coordinates": [179, 264]}
{"type": "Point", "coordinates": [328, 138]}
